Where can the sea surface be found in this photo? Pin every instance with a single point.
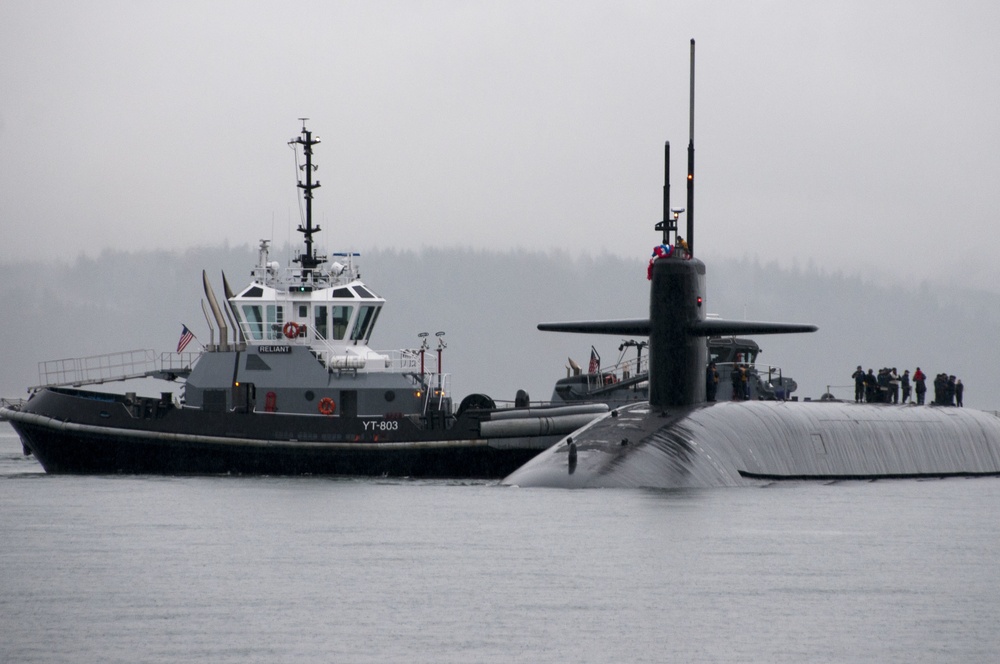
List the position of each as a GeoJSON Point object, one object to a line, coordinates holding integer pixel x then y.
{"type": "Point", "coordinates": [273, 569]}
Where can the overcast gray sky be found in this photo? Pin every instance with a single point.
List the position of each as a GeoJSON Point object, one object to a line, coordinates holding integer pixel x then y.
{"type": "Point", "coordinates": [839, 134]}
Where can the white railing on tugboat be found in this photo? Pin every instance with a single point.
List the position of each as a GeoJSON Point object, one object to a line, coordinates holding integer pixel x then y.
{"type": "Point", "coordinates": [615, 373]}
{"type": "Point", "coordinates": [409, 360]}
{"type": "Point", "coordinates": [438, 388]}
{"type": "Point", "coordinates": [282, 279]}
{"type": "Point", "coordinates": [96, 369]}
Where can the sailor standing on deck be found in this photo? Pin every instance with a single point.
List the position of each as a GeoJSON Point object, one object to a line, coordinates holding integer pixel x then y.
{"type": "Point", "coordinates": [859, 384]}
{"type": "Point", "coordinates": [737, 383]}
{"type": "Point", "coordinates": [904, 380]}
{"type": "Point", "coordinates": [871, 386]}
{"type": "Point", "coordinates": [920, 378]}
{"type": "Point", "coordinates": [883, 385]}
{"type": "Point", "coordinates": [711, 382]}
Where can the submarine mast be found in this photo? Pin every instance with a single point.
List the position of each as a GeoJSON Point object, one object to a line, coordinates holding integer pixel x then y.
{"type": "Point", "coordinates": [690, 177]}
{"type": "Point", "coordinates": [667, 224]}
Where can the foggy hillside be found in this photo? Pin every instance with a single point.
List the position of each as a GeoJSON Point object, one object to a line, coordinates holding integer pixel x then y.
{"type": "Point", "coordinates": [488, 304]}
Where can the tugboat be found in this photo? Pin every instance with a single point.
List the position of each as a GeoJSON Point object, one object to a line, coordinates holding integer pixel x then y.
{"type": "Point", "coordinates": [628, 379]}
{"type": "Point", "coordinates": [298, 391]}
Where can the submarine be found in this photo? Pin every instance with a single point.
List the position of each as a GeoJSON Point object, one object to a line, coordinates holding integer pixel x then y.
{"type": "Point", "coordinates": [678, 439]}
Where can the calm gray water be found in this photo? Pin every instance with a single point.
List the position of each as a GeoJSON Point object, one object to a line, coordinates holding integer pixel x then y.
{"type": "Point", "coordinates": [231, 569]}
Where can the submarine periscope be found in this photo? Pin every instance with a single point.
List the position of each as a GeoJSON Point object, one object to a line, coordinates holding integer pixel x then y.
{"type": "Point", "coordinates": [679, 440]}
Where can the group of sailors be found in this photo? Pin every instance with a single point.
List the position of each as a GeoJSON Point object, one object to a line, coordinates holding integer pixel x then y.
{"type": "Point", "coordinates": [739, 375]}
{"type": "Point", "coordinates": [887, 384]}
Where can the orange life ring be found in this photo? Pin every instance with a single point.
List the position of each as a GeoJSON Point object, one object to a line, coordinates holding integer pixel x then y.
{"type": "Point", "coordinates": [291, 329]}
{"type": "Point", "coordinates": [327, 406]}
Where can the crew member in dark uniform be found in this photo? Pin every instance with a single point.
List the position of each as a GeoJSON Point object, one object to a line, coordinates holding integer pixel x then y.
{"type": "Point", "coordinates": [904, 381]}
{"type": "Point", "coordinates": [959, 389]}
{"type": "Point", "coordinates": [859, 384]}
{"type": "Point", "coordinates": [940, 385]}
{"type": "Point", "coordinates": [871, 386]}
{"type": "Point", "coordinates": [883, 386]}
{"type": "Point", "coordinates": [711, 382]}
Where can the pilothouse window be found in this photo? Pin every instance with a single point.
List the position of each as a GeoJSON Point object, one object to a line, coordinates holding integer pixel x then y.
{"type": "Point", "coordinates": [341, 319]}
{"type": "Point", "coordinates": [255, 324]}
{"type": "Point", "coordinates": [275, 319]}
{"type": "Point", "coordinates": [365, 318]}
{"type": "Point", "coordinates": [319, 323]}
{"type": "Point", "coordinates": [371, 326]}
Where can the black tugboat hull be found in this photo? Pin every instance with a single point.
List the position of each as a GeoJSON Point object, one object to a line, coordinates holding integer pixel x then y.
{"type": "Point", "coordinates": [65, 452]}
{"type": "Point", "coordinates": [90, 433]}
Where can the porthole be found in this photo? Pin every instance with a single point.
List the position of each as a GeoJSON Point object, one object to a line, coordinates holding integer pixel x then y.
{"type": "Point", "coordinates": [390, 395]}
{"type": "Point", "coordinates": [310, 395]}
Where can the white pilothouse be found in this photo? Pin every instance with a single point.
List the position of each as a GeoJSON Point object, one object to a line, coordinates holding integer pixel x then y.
{"type": "Point", "coordinates": [330, 311]}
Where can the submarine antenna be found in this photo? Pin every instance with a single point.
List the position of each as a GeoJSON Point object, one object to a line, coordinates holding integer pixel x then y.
{"type": "Point", "coordinates": [690, 182]}
{"type": "Point", "coordinates": [668, 223]}
{"type": "Point", "coordinates": [308, 259]}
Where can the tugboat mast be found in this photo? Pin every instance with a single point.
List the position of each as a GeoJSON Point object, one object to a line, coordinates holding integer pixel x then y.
{"type": "Point", "coordinates": [308, 260]}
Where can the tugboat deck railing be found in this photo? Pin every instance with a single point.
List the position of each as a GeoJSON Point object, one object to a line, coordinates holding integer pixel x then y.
{"type": "Point", "coordinates": [112, 367]}
{"type": "Point", "coordinates": [287, 278]}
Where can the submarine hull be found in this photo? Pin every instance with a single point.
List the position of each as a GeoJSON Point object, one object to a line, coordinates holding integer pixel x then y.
{"type": "Point", "coordinates": [746, 443]}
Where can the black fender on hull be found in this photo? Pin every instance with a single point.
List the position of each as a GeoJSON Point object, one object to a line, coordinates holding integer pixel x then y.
{"type": "Point", "coordinates": [745, 443]}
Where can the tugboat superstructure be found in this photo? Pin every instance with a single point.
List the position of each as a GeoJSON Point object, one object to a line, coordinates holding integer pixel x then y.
{"type": "Point", "coordinates": [310, 325]}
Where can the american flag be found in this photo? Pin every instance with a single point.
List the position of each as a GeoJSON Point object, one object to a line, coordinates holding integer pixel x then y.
{"type": "Point", "coordinates": [595, 361]}
{"type": "Point", "coordinates": [186, 337]}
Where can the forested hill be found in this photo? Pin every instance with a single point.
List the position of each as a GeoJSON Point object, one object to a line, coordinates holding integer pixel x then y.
{"type": "Point", "coordinates": [488, 304]}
